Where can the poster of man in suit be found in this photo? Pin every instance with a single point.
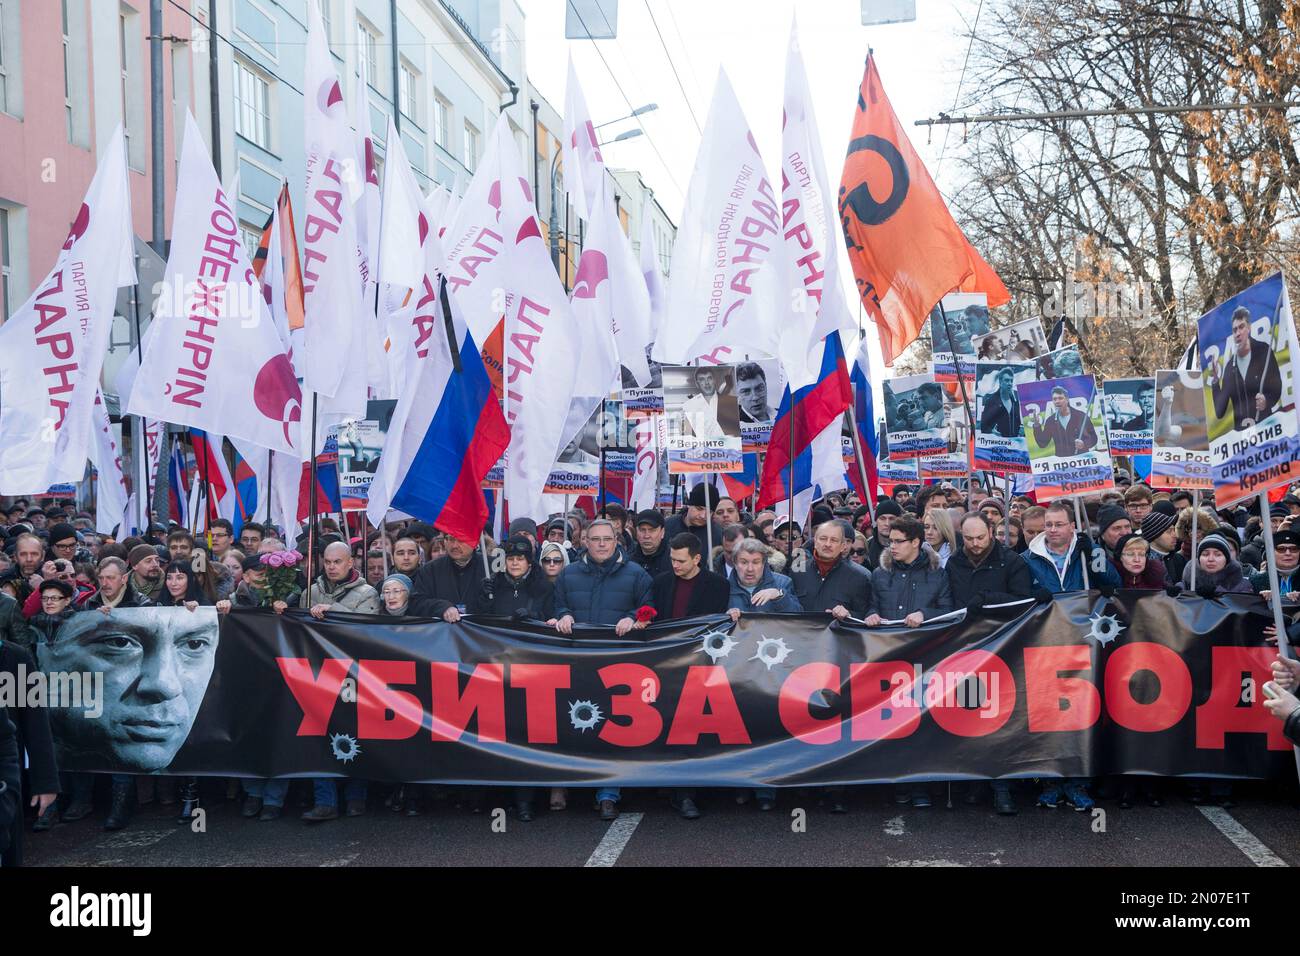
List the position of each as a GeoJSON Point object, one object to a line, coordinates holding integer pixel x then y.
{"type": "Point", "coordinates": [1066, 437]}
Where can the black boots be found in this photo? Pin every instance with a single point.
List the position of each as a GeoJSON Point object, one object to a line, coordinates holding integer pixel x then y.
{"type": "Point", "coordinates": [189, 794]}
{"type": "Point", "coordinates": [122, 806]}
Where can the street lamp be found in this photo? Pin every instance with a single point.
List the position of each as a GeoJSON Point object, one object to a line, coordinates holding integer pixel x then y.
{"type": "Point", "coordinates": [630, 134]}
{"type": "Point", "coordinates": [648, 108]}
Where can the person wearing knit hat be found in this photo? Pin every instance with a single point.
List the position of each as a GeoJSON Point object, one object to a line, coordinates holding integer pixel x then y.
{"type": "Point", "coordinates": [697, 518]}
{"type": "Point", "coordinates": [146, 571]}
{"type": "Point", "coordinates": [63, 541]}
{"type": "Point", "coordinates": [1113, 523]}
{"type": "Point", "coordinates": [1286, 561]}
{"type": "Point", "coordinates": [395, 592]}
{"type": "Point", "coordinates": [995, 505]}
{"type": "Point", "coordinates": [1217, 569]}
{"type": "Point", "coordinates": [878, 541]}
{"type": "Point", "coordinates": [1158, 528]}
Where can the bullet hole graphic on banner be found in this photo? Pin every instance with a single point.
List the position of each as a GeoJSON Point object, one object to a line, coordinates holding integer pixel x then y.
{"type": "Point", "coordinates": [717, 644]}
{"type": "Point", "coordinates": [345, 747]}
{"type": "Point", "coordinates": [1105, 628]}
{"type": "Point", "coordinates": [771, 650]}
{"type": "Point", "coordinates": [584, 715]}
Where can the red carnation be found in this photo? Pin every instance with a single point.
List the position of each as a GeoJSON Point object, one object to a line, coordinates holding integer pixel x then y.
{"type": "Point", "coordinates": [645, 614]}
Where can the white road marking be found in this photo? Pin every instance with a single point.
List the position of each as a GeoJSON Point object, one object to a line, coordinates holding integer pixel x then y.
{"type": "Point", "coordinates": [895, 826]}
{"type": "Point", "coordinates": [615, 839]}
{"type": "Point", "coordinates": [1243, 839]}
{"type": "Point", "coordinates": [343, 860]}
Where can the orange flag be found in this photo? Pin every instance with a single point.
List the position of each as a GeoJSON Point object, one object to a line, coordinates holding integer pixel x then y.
{"type": "Point", "coordinates": [905, 249]}
{"type": "Point", "coordinates": [289, 254]}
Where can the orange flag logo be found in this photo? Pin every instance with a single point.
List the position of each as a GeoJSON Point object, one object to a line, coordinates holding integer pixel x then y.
{"type": "Point", "coordinates": [905, 249]}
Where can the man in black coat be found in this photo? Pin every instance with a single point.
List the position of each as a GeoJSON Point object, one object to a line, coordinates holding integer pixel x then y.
{"type": "Point", "coordinates": [1251, 381]}
{"type": "Point", "coordinates": [984, 570]}
{"type": "Point", "coordinates": [522, 590]}
{"type": "Point", "coordinates": [449, 584]}
{"type": "Point", "coordinates": [1001, 416]}
{"type": "Point", "coordinates": [650, 550]}
{"type": "Point", "coordinates": [11, 811]}
{"type": "Point", "coordinates": [688, 590]}
{"type": "Point", "coordinates": [832, 583]}
{"type": "Point", "coordinates": [698, 517]}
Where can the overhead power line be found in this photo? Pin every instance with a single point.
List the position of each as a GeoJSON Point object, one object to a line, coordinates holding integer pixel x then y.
{"type": "Point", "coordinates": [943, 119]}
{"type": "Point", "coordinates": [680, 85]}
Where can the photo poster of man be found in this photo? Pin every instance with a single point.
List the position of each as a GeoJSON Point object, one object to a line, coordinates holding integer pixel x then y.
{"type": "Point", "coordinates": [644, 402]}
{"type": "Point", "coordinates": [703, 419]}
{"type": "Point", "coordinates": [361, 442]}
{"type": "Point", "coordinates": [618, 438]}
{"type": "Point", "coordinates": [914, 417]}
{"type": "Point", "coordinates": [1130, 408]}
{"type": "Point", "coordinates": [759, 386]}
{"type": "Point", "coordinates": [999, 438]}
{"type": "Point", "coordinates": [1021, 342]}
{"type": "Point", "coordinates": [150, 696]}
{"type": "Point", "coordinates": [1063, 363]}
{"type": "Point", "coordinates": [959, 317]}
{"type": "Point", "coordinates": [1246, 344]}
{"type": "Point", "coordinates": [1180, 455]}
{"type": "Point", "coordinates": [1066, 437]}
{"type": "Point", "coordinates": [577, 469]}
{"type": "Point", "coordinates": [955, 461]}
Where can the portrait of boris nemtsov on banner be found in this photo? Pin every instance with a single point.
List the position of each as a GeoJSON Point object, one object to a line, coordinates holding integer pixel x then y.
{"type": "Point", "coordinates": [155, 664]}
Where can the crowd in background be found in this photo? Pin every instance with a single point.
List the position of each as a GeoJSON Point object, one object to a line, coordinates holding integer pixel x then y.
{"type": "Point", "coordinates": [920, 553]}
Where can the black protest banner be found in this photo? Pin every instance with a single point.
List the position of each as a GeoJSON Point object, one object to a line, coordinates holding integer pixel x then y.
{"type": "Point", "coordinates": [1079, 686]}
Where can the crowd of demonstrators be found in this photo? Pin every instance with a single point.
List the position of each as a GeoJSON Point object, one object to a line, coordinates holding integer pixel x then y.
{"type": "Point", "coordinates": [918, 554]}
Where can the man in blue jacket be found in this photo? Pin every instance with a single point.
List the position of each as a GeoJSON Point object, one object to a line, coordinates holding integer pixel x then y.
{"type": "Point", "coordinates": [602, 587]}
{"type": "Point", "coordinates": [1056, 558]}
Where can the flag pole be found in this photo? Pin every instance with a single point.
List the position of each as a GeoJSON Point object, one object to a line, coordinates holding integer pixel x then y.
{"type": "Point", "coordinates": [1080, 517]}
{"type": "Point", "coordinates": [602, 459]}
{"type": "Point", "coordinates": [956, 362]}
{"type": "Point", "coordinates": [311, 516]}
{"type": "Point", "coordinates": [270, 463]}
{"type": "Point", "coordinates": [1196, 509]}
{"type": "Point", "coordinates": [789, 541]}
{"type": "Point", "coordinates": [862, 465]}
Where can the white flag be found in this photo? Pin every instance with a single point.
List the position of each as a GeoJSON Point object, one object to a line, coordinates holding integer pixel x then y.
{"type": "Point", "coordinates": [497, 265]}
{"type": "Point", "coordinates": [645, 475]}
{"type": "Point", "coordinates": [811, 297]}
{"type": "Point", "coordinates": [110, 484]}
{"type": "Point", "coordinates": [584, 167]}
{"type": "Point", "coordinates": [335, 345]}
{"type": "Point", "coordinates": [368, 205]}
{"type": "Point", "coordinates": [213, 358]}
{"type": "Point", "coordinates": [593, 311]}
{"type": "Point", "coordinates": [622, 301]}
{"type": "Point", "coordinates": [719, 293]}
{"type": "Point", "coordinates": [52, 348]}
{"type": "Point", "coordinates": [654, 279]}
{"type": "Point", "coordinates": [401, 256]}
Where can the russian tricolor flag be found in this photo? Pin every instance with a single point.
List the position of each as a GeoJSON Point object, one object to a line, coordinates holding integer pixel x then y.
{"type": "Point", "coordinates": [328, 499]}
{"type": "Point", "coordinates": [449, 431]}
{"type": "Point", "coordinates": [816, 408]}
{"type": "Point", "coordinates": [865, 414]}
{"type": "Point", "coordinates": [213, 475]}
{"type": "Point", "coordinates": [178, 485]}
{"type": "Point", "coordinates": [741, 484]}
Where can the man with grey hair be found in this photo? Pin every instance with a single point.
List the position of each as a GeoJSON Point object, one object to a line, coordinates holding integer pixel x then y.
{"type": "Point", "coordinates": [755, 586]}
{"type": "Point", "coordinates": [833, 583]}
{"type": "Point", "coordinates": [341, 587]}
{"type": "Point", "coordinates": [113, 575]}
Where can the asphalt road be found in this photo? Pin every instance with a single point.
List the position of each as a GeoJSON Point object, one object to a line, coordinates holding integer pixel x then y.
{"type": "Point", "coordinates": [1263, 829]}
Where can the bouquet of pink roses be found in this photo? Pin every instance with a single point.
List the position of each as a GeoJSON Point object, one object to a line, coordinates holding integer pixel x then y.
{"type": "Point", "coordinates": [281, 573]}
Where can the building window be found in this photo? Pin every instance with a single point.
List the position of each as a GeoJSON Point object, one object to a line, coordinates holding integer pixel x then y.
{"type": "Point", "coordinates": [252, 237]}
{"type": "Point", "coordinates": [368, 54]}
{"type": "Point", "coordinates": [408, 95]}
{"type": "Point", "coordinates": [4, 70]}
{"type": "Point", "coordinates": [470, 158]}
{"type": "Point", "coordinates": [122, 27]}
{"type": "Point", "coordinates": [4, 265]}
{"type": "Point", "coordinates": [252, 106]}
{"type": "Point", "coordinates": [442, 122]}
{"type": "Point", "coordinates": [327, 19]}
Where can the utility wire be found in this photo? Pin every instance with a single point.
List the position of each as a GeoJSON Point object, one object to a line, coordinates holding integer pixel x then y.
{"type": "Point", "coordinates": [680, 85]}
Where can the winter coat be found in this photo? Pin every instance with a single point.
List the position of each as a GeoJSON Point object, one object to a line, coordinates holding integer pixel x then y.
{"type": "Point", "coordinates": [875, 548]}
{"type": "Point", "coordinates": [847, 583]}
{"type": "Point", "coordinates": [46, 626]}
{"type": "Point", "coordinates": [130, 598]}
{"type": "Point", "coordinates": [787, 603]}
{"type": "Point", "coordinates": [710, 596]}
{"type": "Point", "coordinates": [353, 595]}
{"type": "Point", "coordinates": [531, 596]}
{"type": "Point", "coordinates": [32, 603]}
{"type": "Point", "coordinates": [595, 592]}
{"type": "Point", "coordinates": [247, 596]}
{"type": "Point", "coordinates": [33, 725]}
{"type": "Point", "coordinates": [1002, 577]}
{"type": "Point", "coordinates": [1230, 580]}
{"type": "Point", "coordinates": [1285, 582]}
{"type": "Point", "coordinates": [13, 627]}
{"type": "Point", "coordinates": [1046, 576]}
{"type": "Point", "coordinates": [1154, 576]}
{"type": "Point", "coordinates": [442, 583]}
{"type": "Point", "coordinates": [899, 590]}
{"type": "Point", "coordinates": [653, 564]}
